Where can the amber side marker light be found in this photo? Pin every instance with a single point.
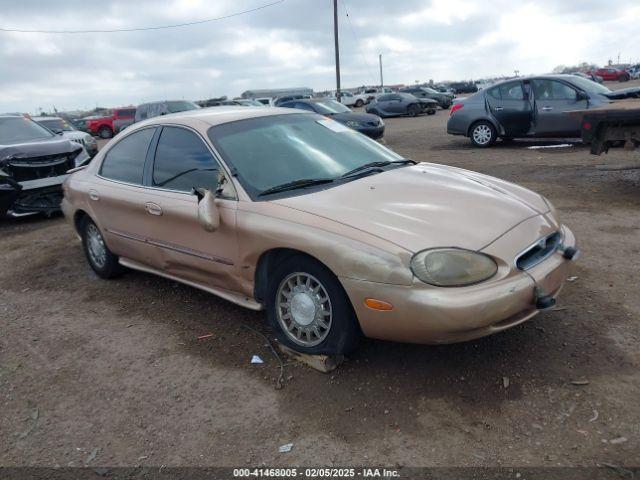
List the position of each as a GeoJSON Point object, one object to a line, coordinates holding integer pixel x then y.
{"type": "Point", "coordinates": [378, 304]}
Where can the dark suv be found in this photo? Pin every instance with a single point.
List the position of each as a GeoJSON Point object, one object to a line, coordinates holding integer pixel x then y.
{"type": "Point", "coordinates": [33, 164]}
{"type": "Point", "coordinates": [155, 109]}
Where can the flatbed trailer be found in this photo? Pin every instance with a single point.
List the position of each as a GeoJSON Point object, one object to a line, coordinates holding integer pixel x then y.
{"type": "Point", "coordinates": [612, 124]}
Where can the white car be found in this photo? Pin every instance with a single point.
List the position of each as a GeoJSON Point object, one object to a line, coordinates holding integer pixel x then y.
{"type": "Point", "coordinates": [368, 94]}
{"type": "Point", "coordinates": [61, 127]}
{"type": "Point", "coordinates": [348, 99]}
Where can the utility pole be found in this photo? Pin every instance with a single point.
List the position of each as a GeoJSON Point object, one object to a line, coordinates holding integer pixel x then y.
{"type": "Point", "coordinates": [380, 61]}
{"type": "Point", "coordinates": [335, 37]}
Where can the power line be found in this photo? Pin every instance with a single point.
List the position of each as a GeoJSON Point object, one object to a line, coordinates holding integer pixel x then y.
{"type": "Point", "coordinates": [160, 27]}
{"type": "Point", "coordinates": [357, 39]}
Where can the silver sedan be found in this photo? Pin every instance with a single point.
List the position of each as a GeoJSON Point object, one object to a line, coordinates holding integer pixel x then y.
{"type": "Point", "coordinates": [526, 107]}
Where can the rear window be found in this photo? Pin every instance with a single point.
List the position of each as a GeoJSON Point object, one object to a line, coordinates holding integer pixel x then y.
{"type": "Point", "coordinates": [124, 162]}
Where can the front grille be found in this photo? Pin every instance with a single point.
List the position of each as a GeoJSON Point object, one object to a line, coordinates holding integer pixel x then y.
{"type": "Point", "coordinates": [539, 251]}
{"type": "Point", "coordinates": [78, 140]}
{"type": "Point", "coordinates": [22, 170]}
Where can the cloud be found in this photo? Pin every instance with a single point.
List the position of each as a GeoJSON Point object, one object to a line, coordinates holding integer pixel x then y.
{"type": "Point", "coordinates": [291, 44]}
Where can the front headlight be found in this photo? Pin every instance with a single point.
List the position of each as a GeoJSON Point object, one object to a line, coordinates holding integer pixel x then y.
{"type": "Point", "coordinates": [452, 267]}
{"type": "Point", "coordinates": [353, 124]}
{"type": "Point", "coordinates": [82, 158]}
{"type": "Point", "coordinates": [89, 140]}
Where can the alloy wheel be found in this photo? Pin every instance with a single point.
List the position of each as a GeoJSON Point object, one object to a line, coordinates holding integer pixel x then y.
{"type": "Point", "coordinates": [482, 134]}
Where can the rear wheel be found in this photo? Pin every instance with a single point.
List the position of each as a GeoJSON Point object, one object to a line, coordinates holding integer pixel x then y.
{"type": "Point", "coordinates": [309, 310]}
{"type": "Point", "coordinates": [482, 134]}
{"type": "Point", "coordinates": [359, 103]}
{"type": "Point", "coordinates": [105, 132]}
{"type": "Point", "coordinates": [413, 110]}
{"type": "Point", "coordinates": [100, 258]}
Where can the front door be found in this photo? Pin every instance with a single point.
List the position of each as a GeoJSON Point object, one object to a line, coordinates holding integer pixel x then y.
{"type": "Point", "coordinates": [511, 107]}
{"type": "Point", "coordinates": [181, 163]}
{"type": "Point", "coordinates": [552, 99]}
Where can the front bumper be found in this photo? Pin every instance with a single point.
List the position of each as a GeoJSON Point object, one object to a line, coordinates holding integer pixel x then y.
{"type": "Point", "coordinates": [432, 315]}
{"type": "Point", "coordinates": [373, 132]}
{"type": "Point", "coordinates": [36, 196]}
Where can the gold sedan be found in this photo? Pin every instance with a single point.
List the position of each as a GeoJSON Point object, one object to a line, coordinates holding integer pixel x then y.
{"type": "Point", "coordinates": [333, 234]}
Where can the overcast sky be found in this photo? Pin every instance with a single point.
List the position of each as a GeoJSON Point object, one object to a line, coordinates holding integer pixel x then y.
{"type": "Point", "coordinates": [290, 44]}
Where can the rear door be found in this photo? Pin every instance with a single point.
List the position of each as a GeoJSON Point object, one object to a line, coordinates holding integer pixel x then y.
{"type": "Point", "coordinates": [510, 105]}
{"type": "Point", "coordinates": [119, 200]}
{"type": "Point", "coordinates": [181, 162]}
{"type": "Point", "coordinates": [552, 99]}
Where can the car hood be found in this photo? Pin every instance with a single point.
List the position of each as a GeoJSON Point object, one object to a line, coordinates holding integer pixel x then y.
{"type": "Point", "coordinates": [355, 117]}
{"type": "Point", "coordinates": [55, 147]}
{"type": "Point", "coordinates": [425, 206]}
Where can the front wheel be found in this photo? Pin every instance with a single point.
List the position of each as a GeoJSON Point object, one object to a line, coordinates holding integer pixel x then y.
{"type": "Point", "coordinates": [309, 310]}
{"type": "Point", "coordinates": [105, 132]}
{"type": "Point", "coordinates": [413, 110]}
{"type": "Point", "coordinates": [483, 134]}
{"type": "Point", "coordinates": [100, 258]}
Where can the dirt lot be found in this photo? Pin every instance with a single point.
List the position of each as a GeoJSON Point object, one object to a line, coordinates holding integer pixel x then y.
{"type": "Point", "coordinates": [113, 370]}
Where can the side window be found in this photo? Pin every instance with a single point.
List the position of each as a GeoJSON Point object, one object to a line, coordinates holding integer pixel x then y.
{"type": "Point", "coordinates": [562, 91]}
{"type": "Point", "coordinates": [494, 93]}
{"type": "Point", "coordinates": [183, 161]}
{"type": "Point", "coordinates": [511, 91]}
{"type": "Point", "coordinates": [542, 89]}
{"type": "Point", "coordinates": [125, 160]}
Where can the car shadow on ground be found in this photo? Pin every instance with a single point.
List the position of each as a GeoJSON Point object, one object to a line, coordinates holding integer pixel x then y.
{"type": "Point", "coordinates": [546, 145]}
{"type": "Point", "coordinates": [390, 384]}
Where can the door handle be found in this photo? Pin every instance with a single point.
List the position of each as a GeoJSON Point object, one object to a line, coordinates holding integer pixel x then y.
{"type": "Point", "coordinates": [153, 208]}
{"type": "Point", "coordinates": [94, 195]}
{"type": "Point", "coordinates": [547, 109]}
{"type": "Point", "coordinates": [499, 109]}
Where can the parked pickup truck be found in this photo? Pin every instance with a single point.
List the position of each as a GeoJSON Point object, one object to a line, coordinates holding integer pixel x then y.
{"type": "Point", "coordinates": [108, 126]}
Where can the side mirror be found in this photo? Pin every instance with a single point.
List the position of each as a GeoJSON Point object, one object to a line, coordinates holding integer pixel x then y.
{"type": "Point", "coordinates": [208, 213]}
{"type": "Point", "coordinates": [581, 96]}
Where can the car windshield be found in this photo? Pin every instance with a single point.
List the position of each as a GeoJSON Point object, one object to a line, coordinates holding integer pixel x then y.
{"type": "Point", "coordinates": [274, 150]}
{"type": "Point", "coordinates": [328, 107]}
{"type": "Point", "coordinates": [20, 129]}
{"type": "Point", "coordinates": [181, 106]}
{"type": "Point", "coordinates": [429, 90]}
{"type": "Point", "coordinates": [590, 86]}
{"type": "Point", "coordinates": [56, 125]}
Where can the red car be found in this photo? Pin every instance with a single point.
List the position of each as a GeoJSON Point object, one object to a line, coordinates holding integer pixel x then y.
{"type": "Point", "coordinates": [108, 126]}
{"type": "Point", "coordinates": [611, 74]}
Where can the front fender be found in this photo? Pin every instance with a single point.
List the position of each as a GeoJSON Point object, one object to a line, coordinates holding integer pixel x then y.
{"type": "Point", "coordinates": [345, 251]}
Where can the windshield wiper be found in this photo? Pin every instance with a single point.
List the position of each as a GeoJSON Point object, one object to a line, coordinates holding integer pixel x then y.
{"type": "Point", "coordinates": [301, 183]}
{"type": "Point", "coordinates": [367, 166]}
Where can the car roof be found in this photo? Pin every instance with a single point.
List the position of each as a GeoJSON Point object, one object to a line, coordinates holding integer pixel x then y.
{"type": "Point", "coordinates": [215, 115]}
{"type": "Point", "coordinates": [46, 118]}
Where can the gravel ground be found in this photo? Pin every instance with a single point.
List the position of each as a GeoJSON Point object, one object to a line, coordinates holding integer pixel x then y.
{"type": "Point", "coordinates": [111, 372]}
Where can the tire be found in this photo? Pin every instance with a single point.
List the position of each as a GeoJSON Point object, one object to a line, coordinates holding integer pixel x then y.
{"type": "Point", "coordinates": [413, 110]}
{"type": "Point", "coordinates": [431, 112]}
{"type": "Point", "coordinates": [359, 103]}
{"type": "Point", "coordinates": [310, 282]}
{"type": "Point", "coordinates": [482, 134]}
{"type": "Point", "coordinates": [105, 132]}
{"type": "Point", "coordinates": [99, 257]}
{"type": "Point", "coordinates": [446, 106]}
